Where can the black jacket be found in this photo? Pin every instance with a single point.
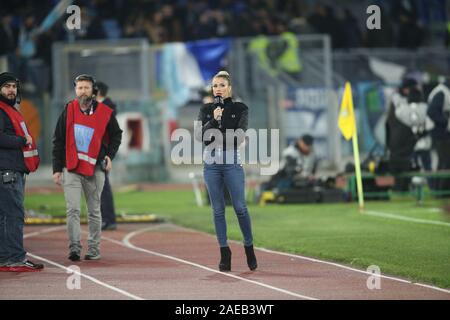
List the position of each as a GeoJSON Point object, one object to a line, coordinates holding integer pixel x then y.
{"type": "Point", "coordinates": [110, 104]}
{"type": "Point", "coordinates": [439, 117]}
{"type": "Point", "coordinates": [59, 141]}
{"type": "Point", "coordinates": [400, 139]}
{"type": "Point", "coordinates": [11, 155]}
{"type": "Point", "coordinates": [234, 116]}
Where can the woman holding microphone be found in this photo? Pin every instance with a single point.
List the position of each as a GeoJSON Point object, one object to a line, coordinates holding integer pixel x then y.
{"type": "Point", "coordinates": [223, 167]}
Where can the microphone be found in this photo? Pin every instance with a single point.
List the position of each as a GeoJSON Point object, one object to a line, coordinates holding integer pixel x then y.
{"type": "Point", "coordinates": [218, 102]}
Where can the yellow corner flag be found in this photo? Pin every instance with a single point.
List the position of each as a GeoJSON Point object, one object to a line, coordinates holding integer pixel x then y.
{"type": "Point", "coordinates": [346, 121]}
{"type": "Point", "coordinates": [347, 125]}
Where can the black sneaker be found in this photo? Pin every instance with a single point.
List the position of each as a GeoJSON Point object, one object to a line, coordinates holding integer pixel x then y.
{"type": "Point", "coordinates": [109, 226]}
{"type": "Point", "coordinates": [74, 256]}
{"type": "Point", "coordinates": [92, 257]}
{"type": "Point", "coordinates": [26, 266]}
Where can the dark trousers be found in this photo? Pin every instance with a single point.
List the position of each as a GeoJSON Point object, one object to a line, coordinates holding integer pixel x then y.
{"type": "Point", "coordinates": [443, 151]}
{"type": "Point", "coordinates": [12, 216]}
{"type": "Point", "coordinates": [398, 166]}
{"type": "Point", "coordinates": [107, 203]}
{"type": "Point", "coordinates": [422, 159]}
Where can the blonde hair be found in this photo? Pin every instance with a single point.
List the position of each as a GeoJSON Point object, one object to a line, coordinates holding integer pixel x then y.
{"type": "Point", "coordinates": [225, 75]}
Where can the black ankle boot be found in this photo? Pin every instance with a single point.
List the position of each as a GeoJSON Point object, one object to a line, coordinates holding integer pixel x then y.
{"type": "Point", "coordinates": [251, 258]}
{"type": "Point", "coordinates": [225, 259]}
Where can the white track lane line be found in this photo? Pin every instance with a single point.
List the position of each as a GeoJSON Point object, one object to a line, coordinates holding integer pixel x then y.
{"type": "Point", "coordinates": [126, 242]}
{"type": "Point", "coordinates": [353, 269]}
{"type": "Point", "coordinates": [68, 270]}
{"type": "Point", "coordinates": [404, 218]}
{"type": "Point", "coordinates": [325, 262]}
{"type": "Point", "coordinates": [284, 254]}
{"type": "Point", "coordinates": [47, 230]}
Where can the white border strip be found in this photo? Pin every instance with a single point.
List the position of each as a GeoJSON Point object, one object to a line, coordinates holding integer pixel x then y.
{"type": "Point", "coordinates": [47, 230]}
{"type": "Point", "coordinates": [68, 270]}
{"type": "Point", "coordinates": [257, 248]}
{"type": "Point", "coordinates": [404, 218]}
{"type": "Point", "coordinates": [103, 284]}
{"type": "Point", "coordinates": [126, 242]}
{"type": "Point", "coordinates": [353, 269]}
{"type": "Point", "coordinates": [325, 262]}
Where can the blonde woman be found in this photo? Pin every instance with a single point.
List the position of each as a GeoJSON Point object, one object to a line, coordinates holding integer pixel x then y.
{"type": "Point", "coordinates": [222, 165]}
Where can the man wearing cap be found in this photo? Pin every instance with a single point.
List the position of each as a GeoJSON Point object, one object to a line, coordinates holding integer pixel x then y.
{"type": "Point", "coordinates": [86, 139]}
{"type": "Point", "coordinates": [18, 156]}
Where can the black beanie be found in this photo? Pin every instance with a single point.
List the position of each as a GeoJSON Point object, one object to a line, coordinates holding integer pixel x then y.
{"type": "Point", "coordinates": [308, 139]}
{"type": "Point", "coordinates": [408, 83]}
{"type": "Point", "coordinates": [7, 77]}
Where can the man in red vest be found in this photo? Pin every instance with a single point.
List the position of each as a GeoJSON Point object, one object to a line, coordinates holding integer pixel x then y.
{"type": "Point", "coordinates": [86, 139]}
{"type": "Point", "coordinates": [18, 156]}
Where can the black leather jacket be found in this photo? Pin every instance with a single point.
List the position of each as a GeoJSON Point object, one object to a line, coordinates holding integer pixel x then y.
{"type": "Point", "coordinates": [234, 117]}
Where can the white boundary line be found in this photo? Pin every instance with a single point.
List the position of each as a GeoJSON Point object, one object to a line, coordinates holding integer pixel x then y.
{"type": "Point", "coordinates": [47, 230]}
{"type": "Point", "coordinates": [68, 270]}
{"type": "Point", "coordinates": [404, 218]}
{"type": "Point", "coordinates": [325, 262]}
{"type": "Point", "coordinates": [353, 269]}
{"type": "Point", "coordinates": [126, 242]}
{"type": "Point", "coordinates": [258, 248]}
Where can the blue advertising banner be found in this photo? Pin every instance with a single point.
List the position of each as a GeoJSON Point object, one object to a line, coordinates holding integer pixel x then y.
{"type": "Point", "coordinates": [305, 112]}
{"type": "Point", "coordinates": [190, 66]}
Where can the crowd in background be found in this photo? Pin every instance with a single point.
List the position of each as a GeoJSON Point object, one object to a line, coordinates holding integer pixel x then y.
{"type": "Point", "coordinates": [405, 24]}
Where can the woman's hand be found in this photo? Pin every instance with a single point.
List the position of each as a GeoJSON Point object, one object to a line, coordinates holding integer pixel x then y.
{"type": "Point", "coordinates": [218, 113]}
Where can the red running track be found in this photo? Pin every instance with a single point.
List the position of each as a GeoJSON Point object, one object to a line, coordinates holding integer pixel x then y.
{"type": "Point", "coordinates": [163, 261]}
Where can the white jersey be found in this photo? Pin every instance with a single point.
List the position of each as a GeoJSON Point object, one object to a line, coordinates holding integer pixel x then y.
{"type": "Point", "coordinates": [413, 115]}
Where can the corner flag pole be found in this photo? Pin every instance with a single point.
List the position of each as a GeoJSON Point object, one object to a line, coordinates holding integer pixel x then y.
{"type": "Point", "coordinates": [347, 125]}
{"type": "Point", "coordinates": [358, 171]}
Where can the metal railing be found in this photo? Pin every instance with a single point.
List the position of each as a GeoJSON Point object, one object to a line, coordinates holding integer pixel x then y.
{"type": "Point", "coordinates": [128, 68]}
{"type": "Point", "coordinates": [419, 185]}
{"type": "Point", "coordinates": [267, 93]}
{"type": "Point", "coordinates": [353, 64]}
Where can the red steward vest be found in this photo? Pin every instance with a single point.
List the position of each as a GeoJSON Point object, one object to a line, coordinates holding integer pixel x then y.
{"type": "Point", "coordinates": [30, 153]}
{"type": "Point", "coordinates": [84, 135]}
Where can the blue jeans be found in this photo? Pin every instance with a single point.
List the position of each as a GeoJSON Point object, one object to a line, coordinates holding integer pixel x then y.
{"type": "Point", "coordinates": [12, 217]}
{"type": "Point", "coordinates": [232, 176]}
